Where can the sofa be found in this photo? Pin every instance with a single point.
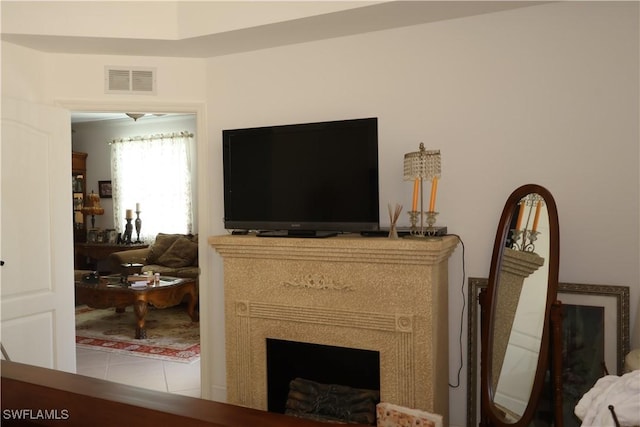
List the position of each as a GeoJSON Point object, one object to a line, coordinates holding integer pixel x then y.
{"type": "Point", "coordinates": [173, 255]}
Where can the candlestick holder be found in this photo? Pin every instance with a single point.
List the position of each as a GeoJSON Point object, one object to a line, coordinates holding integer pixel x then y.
{"type": "Point", "coordinates": [524, 240]}
{"type": "Point", "coordinates": [138, 223]}
{"type": "Point", "coordinates": [420, 230]}
{"type": "Point", "coordinates": [414, 230]}
{"type": "Point", "coordinates": [515, 237]}
{"type": "Point", "coordinates": [431, 219]}
{"type": "Point", "coordinates": [128, 229]}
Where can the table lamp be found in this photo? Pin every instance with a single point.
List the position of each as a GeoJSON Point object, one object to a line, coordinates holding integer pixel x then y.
{"type": "Point", "coordinates": [93, 208]}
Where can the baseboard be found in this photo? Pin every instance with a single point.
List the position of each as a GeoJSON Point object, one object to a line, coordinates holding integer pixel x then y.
{"type": "Point", "coordinates": [218, 393]}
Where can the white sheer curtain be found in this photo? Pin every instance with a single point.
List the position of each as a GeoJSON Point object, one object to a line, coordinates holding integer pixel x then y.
{"type": "Point", "coordinates": [154, 172]}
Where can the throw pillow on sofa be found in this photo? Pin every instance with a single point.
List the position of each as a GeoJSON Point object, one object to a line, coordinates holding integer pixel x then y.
{"type": "Point", "coordinates": [160, 246]}
{"type": "Point", "coordinates": [162, 243]}
{"type": "Point", "coordinates": [181, 253]}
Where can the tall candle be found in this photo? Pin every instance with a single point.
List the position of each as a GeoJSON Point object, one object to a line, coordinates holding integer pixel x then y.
{"type": "Point", "coordinates": [128, 214]}
{"type": "Point", "coordinates": [434, 190]}
{"type": "Point", "coordinates": [137, 207]}
{"type": "Point", "coordinates": [537, 217]}
{"type": "Point", "coordinates": [416, 190]}
{"type": "Point", "coordinates": [520, 215]}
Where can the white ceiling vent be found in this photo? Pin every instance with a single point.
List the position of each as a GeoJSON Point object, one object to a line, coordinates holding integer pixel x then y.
{"type": "Point", "coordinates": [133, 80]}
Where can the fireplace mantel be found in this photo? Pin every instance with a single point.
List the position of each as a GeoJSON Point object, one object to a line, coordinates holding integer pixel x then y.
{"type": "Point", "coordinates": [386, 295]}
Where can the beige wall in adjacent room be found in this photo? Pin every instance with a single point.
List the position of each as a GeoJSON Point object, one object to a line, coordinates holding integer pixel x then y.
{"type": "Point", "coordinates": [93, 138]}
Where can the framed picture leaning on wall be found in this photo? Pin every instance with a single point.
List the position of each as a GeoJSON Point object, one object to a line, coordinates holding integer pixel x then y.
{"type": "Point", "coordinates": [595, 331]}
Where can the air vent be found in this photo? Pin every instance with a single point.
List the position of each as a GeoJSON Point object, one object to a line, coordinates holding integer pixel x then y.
{"type": "Point", "coordinates": [133, 80]}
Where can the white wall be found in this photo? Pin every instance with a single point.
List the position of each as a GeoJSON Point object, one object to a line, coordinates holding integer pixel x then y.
{"type": "Point", "coordinates": [546, 94]}
{"type": "Point", "coordinates": [23, 73]}
{"type": "Point", "coordinates": [81, 77]}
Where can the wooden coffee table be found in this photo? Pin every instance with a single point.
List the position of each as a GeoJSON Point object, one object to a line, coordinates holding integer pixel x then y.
{"type": "Point", "coordinates": [110, 293]}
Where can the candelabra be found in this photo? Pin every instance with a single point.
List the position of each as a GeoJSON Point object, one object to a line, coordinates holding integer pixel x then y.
{"type": "Point", "coordinates": [138, 223]}
{"type": "Point", "coordinates": [524, 238]}
{"type": "Point", "coordinates": [420, 166]}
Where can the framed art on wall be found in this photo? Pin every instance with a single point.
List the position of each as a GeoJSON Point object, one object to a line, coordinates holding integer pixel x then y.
{"type": "Point", "coordinates": [595, 322]}
{"type": "Point", "coordinates": [104, 189]}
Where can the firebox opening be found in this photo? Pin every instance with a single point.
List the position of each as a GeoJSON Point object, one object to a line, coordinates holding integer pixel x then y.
{"type": "Point", "coordinates": [288, 360]}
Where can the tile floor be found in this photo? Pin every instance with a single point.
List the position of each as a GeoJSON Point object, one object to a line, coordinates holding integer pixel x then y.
{"type": "Point", "coordinates": [172, 377]}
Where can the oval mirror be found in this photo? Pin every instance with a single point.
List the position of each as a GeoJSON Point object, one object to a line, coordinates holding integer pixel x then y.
{"type": "Point", "coordinates": [521, 290]}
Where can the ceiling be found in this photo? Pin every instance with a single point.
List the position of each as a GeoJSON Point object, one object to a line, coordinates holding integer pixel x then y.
{"type": "Point", "coordinates": [381, 16]}
{"type": "Point", "coordinates": [83, 117]}
{"type": "Point", "coordinates": [385, 15]}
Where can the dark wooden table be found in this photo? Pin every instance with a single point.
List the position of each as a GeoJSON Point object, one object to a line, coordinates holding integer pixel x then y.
{"type": "Point", "coordinates": [80, 401]}
{"type": "Point", "coordinates": [109, 293]}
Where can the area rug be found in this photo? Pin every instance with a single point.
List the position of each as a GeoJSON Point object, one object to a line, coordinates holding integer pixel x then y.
{"type": "Point", "coordinates": [171, 335]}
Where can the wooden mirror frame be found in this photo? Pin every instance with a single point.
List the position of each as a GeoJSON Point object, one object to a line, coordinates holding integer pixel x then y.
{"type": "Point", "coordinates": [490, 415]}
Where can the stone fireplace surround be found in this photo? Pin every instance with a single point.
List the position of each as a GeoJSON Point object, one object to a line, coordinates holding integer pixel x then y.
{"type": "Point", "coordinates": [380, 294]}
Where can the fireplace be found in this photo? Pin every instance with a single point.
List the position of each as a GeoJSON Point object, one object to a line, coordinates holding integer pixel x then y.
{"type": "Point", "coordinates": [385, 296]}
{"type": "Point", "coordinates": [348, 369]}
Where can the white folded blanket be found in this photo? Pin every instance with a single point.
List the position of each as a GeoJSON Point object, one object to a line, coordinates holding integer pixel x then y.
{"type": "Point", "coordinates": [621, 392]}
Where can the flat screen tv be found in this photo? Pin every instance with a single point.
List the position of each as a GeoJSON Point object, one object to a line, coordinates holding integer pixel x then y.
{"type": "Point", "coordinates": [307, 180]}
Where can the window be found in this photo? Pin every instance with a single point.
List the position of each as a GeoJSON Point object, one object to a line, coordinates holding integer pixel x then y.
{"type": "Point", "coordinates": [153, 174]}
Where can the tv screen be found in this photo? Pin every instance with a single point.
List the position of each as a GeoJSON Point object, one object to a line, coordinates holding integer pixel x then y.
{"type": "Point", "coordinates": [303, 179]}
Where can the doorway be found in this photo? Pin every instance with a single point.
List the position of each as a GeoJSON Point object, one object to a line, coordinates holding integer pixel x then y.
{"type": "Point", "coordinates": [91, 132]}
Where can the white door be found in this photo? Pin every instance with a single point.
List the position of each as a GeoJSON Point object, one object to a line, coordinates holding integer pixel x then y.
{"type": "Point", "coordinates": [36, 280]}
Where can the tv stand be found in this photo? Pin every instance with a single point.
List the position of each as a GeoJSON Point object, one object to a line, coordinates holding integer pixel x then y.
{"type": "Point", "coordinates": [297, 233]}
